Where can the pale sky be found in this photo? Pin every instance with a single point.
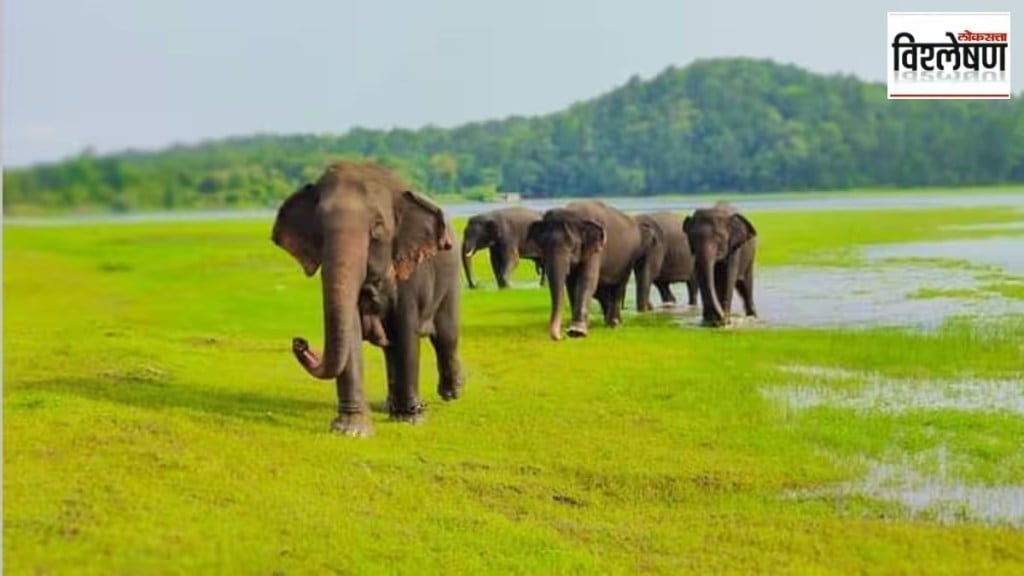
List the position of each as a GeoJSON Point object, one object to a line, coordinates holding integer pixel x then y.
{"type": "Point", "coordinates": [116, 74]}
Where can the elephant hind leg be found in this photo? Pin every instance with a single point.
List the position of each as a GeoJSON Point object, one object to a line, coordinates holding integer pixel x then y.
{"type": "Point", "coordinates": [666, 293]}
{"type": "Point", "coordinates": [445, 341]}
{"type": "Point", "coordinates": [604, 298]}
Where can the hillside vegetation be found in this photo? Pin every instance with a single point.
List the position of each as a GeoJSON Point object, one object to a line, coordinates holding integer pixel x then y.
{"type": "Point", "coordinates": [740, 125]}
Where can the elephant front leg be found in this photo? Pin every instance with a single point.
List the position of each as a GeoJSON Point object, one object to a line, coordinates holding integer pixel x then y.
{"type": "Point", "coordinates": [538, 267]}
{"type": "Point", "coordinates": [643, 287]}
{"type": "Point", "coordinates": [353, 417]}
{"type": "Point", "coordinates": [746, 289]}
{"type": "Point", "coordinates": [404, 358]}
{"type": "Point", "coordinates": [725, 285]}
{"type": "Point", "coordinates": [691, 290]}
{"type": "Point", "coordinates": [499, 265]}
{"type": "Point", "coordinates": [586, 285]}
{"type": "Point", "coordinates": [445, 341]}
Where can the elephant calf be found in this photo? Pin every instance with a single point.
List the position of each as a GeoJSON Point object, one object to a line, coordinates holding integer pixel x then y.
{"type": "Point", "coordinates": [588, 249]}
{"type": "Point", "coordinates": [724, 244]}
{"type": "Point", "coordinates": [666, 259]}
{"type": "Point", "coordinates": [390, 276]}
{"type": "Point", "coordinates": [504, 231]}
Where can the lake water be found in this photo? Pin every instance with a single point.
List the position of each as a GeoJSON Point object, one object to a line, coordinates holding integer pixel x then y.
{"type": "Point", "coordinates": [747, 203]}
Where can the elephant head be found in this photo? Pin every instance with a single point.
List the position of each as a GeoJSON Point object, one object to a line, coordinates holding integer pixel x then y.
{"type": "Point", "coordinates": [481, 232]}
{"type": "Point", "coordinates": [714, 235]}
{"type": "Point", "coordinates": [366, 232]}
{"type": "Point", "coordinates": [565, 240]}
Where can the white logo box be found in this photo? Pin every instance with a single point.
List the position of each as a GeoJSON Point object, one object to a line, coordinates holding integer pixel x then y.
{"type": "Point", "coordinates": [948, 55]}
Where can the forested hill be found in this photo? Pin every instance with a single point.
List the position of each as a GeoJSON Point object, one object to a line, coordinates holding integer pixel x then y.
{"type": "Point", "coordinates": [715, 125]}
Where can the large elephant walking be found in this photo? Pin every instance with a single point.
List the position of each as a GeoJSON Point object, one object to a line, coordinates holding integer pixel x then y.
{"type": "Point", "coordinates": [389, 275]}
{"type": "Point", "coordinates": [588, 249]}
{"type": "Point", "coordinates": [504, 232]}
{"type": "Point", "coordinates": [724, 244]}
{"type": "Point", "coordinates": [666, 259]}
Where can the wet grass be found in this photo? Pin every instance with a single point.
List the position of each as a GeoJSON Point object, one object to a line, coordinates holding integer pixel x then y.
{"type": "Point", "coordinates": [155, 422]}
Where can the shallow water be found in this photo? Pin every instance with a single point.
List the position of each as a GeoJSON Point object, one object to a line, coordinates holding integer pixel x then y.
{"type": "Point", "coordinates": [829, 297]}
{"type": "Point", "coordinates": [882, 292]}
{"type": "Point", "coordinates": [990, 226]}
{"type": "Point", "coordinates": [875, 393]}
{"type": "Point", "coordinates": [935, 495]}
{"type": "Point", "coordinates": [925, 483]}
{"type": "Point", "coordinates": [941, 496]}
{"type": "Point", "coordinates": [1004, 252]}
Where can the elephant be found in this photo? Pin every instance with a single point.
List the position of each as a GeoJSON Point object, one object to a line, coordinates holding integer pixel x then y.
{"type": "Point", "coordinates": [588, 249]}
{"type": "Point", "coordinates": [504, 232]}
{"type": "Point", "coordinates": [390, 275]}
{"type": "Point", "coordinates": [666, 259]}
{"type": "Point", "coordinates": [724, 244]}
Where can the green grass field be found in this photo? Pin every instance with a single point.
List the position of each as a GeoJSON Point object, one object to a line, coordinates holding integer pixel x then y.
{"type": "Point", "coordinates": [155, 422]}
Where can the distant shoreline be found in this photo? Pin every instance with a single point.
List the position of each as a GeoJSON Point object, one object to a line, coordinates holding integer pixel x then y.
{"type": "Point", "coordinates": [769, 201]}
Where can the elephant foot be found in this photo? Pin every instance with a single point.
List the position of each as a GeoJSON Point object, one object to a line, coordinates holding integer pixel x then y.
{"type": "Point", "coordinates": [356, 425]}
{"type": "Point", "coordinates": [555, 330]}
{"type": "Point", "coordinates": [613, 322]}
{"type": "Point", "coordinates": [411, 415]}
{"type": "Point", "coordinates": [715, 322]}
{"type": "Point", "coordinates": [451, 390]}
{"type": "Point", "coordinates": [578, 330]}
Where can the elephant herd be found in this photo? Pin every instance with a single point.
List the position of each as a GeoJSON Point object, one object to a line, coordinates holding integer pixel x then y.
{"type": "Point", "coordinates": [589, 249]}
{"type": "Point", "coordinates": [390, 273]}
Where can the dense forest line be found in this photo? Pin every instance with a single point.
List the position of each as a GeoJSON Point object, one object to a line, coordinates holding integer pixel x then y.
{"type": "Point", "coordinates": [722, 125]}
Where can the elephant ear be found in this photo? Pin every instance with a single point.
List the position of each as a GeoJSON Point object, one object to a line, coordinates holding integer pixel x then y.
{"type": "Point", "coordinates": [535, 233]}
{"type": "Point", "coordinates": [592, 236]}
{"type": "Point", "coordinates": [297, 227]}
{"type": "Point", "coordinates": [687, 224]}
{"type": "Point", "coordinates": [530, 241]}
{"type": "Point", "coordinates": [650, 236]}
{"type": "Point", "coordinates": [740, 230]}
{"type": "Point", "coordinates": [493, 229]}
{"type": "Point", "coordinates": [421, 232]}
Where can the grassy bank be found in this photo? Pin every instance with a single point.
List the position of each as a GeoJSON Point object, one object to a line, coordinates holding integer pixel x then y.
{"type": "Point", "coordinates": [155, 422]}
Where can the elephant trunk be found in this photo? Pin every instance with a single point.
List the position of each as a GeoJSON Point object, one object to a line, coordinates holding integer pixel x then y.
{"type": "Point", "coordinates": [343, 272]}
{"type": "Point", "coordinates": [706, 264]}
{"type": "Point", "coordinates": [467, 254]}
{"type": "Point", "coordinates": [557, 270]}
